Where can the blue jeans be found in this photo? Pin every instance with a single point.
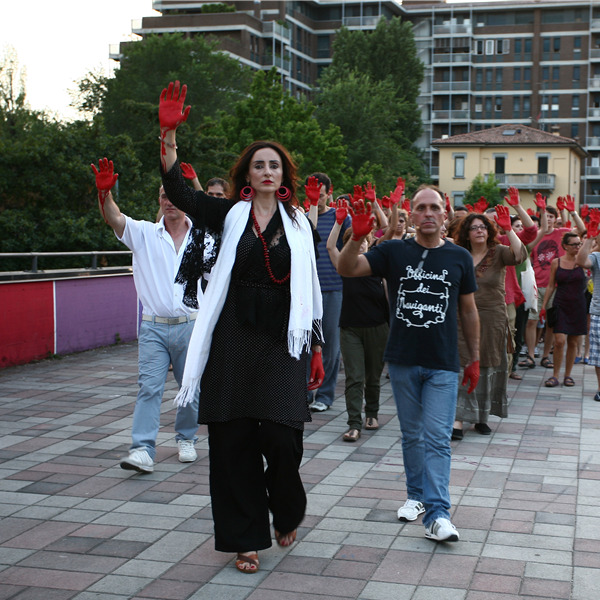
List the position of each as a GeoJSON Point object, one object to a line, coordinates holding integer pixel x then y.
{"type": "Point", "coordinates": [426, 403]}
{"type": "Point", "coordinates": [332, 306]}
{"type": "Point", "coordinates": [159, 345]}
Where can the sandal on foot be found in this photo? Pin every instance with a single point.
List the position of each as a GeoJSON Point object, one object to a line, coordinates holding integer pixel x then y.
{"type": "Point", "coordinates": [352, 435]}
{"type": "Point", "coordinates": [552, 382]}
{"type": "Point", "coordinates": [371, 423]}
{"type": "Point", "coordinates": [546, 362]}
{"type": "Point", "coordinates": [527, 362]}
{"type": "Point", "coordinates": [515, 375]}
{"type": "Point", "coordinates": [568, 381]}
{"type": "Point", "coordinates": [285, 539]}
{"type": "Point", "coordinates": [247, 562]}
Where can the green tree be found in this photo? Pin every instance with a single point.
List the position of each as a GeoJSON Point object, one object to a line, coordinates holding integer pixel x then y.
{"type": "Point", "coordinates": [48, 199]}
{"type": "Point", "coordinates": [129, 103]}
{"type": "Point", "coordinates": [271, 113]}
{"type": "Point", "coordinates": [371, 95]}
{"type": "Point", "coordinates": [488, 187]}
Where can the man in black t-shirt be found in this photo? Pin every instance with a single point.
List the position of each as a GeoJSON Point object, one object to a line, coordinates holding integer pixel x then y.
{"type": "Point", "coordinates": [429, 280]}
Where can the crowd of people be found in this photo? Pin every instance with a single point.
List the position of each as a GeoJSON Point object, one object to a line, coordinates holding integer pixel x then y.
{"type": "Point", "coordinates": [252, 297]}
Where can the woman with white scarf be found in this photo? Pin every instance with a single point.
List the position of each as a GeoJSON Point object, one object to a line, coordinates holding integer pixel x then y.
{"type": "Point", "coordinates": [248, 357]}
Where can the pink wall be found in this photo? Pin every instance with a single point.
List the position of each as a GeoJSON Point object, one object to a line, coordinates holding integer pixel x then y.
{"type": "Point", "coordinates": [39, 318]}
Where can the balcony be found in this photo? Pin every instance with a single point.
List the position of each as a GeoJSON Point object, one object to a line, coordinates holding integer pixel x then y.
{"type": "Point", "coordinates": [363, 21]}
{"type": "Point", "coordinates": [277, 29]}
{"type": "Point", "coordinates": [595, 53]}
{"type": "Point", "coordinates": [593, 142]}
{"type": "Point", "coordinates": [451, 58]}
{"type": "Point", "coordinates": [595, 83]}
{"type": "Point", "coordinates": [592, 172]}
{"type": "Point", "coordinates": [594, 112]}
{"type": "Point", "coordinates": [595, 25]}
{"type": "Point", "coordinates": [592, 200]}
{"type": "Point", "coordinates": [451, 86]}
{"type": "Point", "coordinates": [526, 181]}
{"type": "Point", "coordinates": [450, 115]}
{"type": "Point", "coordinates": [452, 29]}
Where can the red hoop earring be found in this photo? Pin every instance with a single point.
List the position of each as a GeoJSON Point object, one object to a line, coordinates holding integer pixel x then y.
{"type": "Point", "coordinates": [283, 194]}
{"type": "Point", "coordinates": [247, 193]}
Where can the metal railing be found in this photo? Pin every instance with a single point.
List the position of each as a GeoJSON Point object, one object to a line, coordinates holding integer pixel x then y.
{"type": "Point", "coordinates": [35, 255]}
{"type": "Point", "coordinates": [528, 181]}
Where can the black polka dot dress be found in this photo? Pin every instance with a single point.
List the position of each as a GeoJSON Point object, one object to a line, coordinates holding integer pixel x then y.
{"type": "Point", "coordinates": [250, 373]}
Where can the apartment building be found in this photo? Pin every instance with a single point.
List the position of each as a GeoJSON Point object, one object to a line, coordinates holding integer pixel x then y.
{"type": "Point", "coordinates": [533, 62]}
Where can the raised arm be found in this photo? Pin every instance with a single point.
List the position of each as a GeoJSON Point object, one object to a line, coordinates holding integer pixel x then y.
{"type": "Point", "coordinates": [570, 206]}
{"type": "Point", "coordinates": [341, 212]}
{"type": "Point", "coordinates": [170, 115]}
{"type": "Point", "coordinates": [105, 181]}
{"type": "Point", "coordinates": [503, 220]}
{"type": "Point", "coordinates": [351, 263]}
{"type": "Point", "coordinates": [583, 256]}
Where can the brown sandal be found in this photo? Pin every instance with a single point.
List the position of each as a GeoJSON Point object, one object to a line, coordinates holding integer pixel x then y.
{"type": "Point", "coordinates": [285, 539]}
{"type": "Point", "coordinates": [371, 423]}
{"type": "Point", "coordinates": [247, 562]}
{"type": "Point", "coordinates": [352, 435]}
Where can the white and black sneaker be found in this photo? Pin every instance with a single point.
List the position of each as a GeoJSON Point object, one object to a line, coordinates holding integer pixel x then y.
{"type": "Point", "coordinates": [442, 530]}
{"type": "Point", "coordinates": [411, 510]}
{"type": "Point", "coordinates": [138, 460]}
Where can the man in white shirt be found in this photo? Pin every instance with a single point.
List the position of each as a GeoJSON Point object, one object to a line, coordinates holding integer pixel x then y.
{"type": "Point", "coordinates": [167, 322]}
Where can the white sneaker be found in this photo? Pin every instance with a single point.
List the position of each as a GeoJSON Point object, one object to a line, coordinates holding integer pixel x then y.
{"type": "Point", "coordinates": [138, 460]}
{"type": "Point", "coordinates": [442, 530]}
{"type": "Point", "coordinates": [411, 510]}
{"type": "Point", "coordinates": [318, 407]}
{"type": "Point", "coordinates": [187, 452]}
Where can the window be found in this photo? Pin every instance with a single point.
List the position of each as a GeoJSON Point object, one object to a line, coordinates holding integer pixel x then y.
{"type": "Point", "coordinates": [556, 44]}
{"type": "Point", "coordinates": [528, 45]}
{"type": "Point", "coordinates": [502, 46]}
{"type": "Point", "coordinates": [526, 106]}
{"type": "Point", "coordinates": [542, 164]}
{"type": "Point", "coordinates": [546, 44]}
{"type": "Point", "coordinates": [575, 105]}
{"type": "Point", "coordinates": [518, 46]}
{"type": "Point", "coordinates": [545, 73]}
{"type": "Point", "coordinates": [575, 130]}
{"type": "Point", "coordinates": [459, 165]}
{"type": "Point", "coordinates": [478, 104]}
{"type": "Point", "coordinates": [499, 164]}
{"type": "Point", "coordinates": [516, 106]}
{"type": "Point", "coordinates": [554, 106]}
{"type": "Point", "coordinates": [576, 73]}
{"type": "Point", "coordinates": [517, 74]}
{"type": "Point", "coordinates": [489, 47]}
{"type": "Point", "coordinates": [498, 104]}
{"type": "Point", "coordinates": [478, 47]}
{"type": "Point", "coordinates": [499, 79]}
{"type": "Point", "coordinates": [555, 73]}
{"type": "Point", "coordinates": [527, 74]}
{"type": "Point", "coordinates": [577, 44]}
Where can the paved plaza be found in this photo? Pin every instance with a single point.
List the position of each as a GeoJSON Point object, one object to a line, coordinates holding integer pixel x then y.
{"type": "Point", "coordinates": [74, 525]}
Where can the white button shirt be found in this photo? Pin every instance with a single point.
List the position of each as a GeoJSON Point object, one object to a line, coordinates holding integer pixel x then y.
{"type": "Point", "coordinates": [155, 265]}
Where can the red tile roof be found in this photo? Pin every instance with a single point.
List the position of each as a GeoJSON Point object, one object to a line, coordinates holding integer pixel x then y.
{"type": "Point", "coordinates": [508, 135]}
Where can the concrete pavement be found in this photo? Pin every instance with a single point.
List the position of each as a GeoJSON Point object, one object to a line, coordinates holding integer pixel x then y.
{"type": "Point", "coordinates": [73, 525]}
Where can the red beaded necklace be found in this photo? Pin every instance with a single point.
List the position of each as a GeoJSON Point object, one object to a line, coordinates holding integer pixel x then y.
{"type": "Point", "coordinates": [266, 252]}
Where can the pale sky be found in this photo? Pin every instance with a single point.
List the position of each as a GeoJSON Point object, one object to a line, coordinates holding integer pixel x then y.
{"type": "Point", "coordinates": [60, 41]}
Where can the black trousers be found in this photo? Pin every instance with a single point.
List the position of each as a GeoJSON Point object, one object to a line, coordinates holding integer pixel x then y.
{"type": "Point", "coordinates": [243, 491]}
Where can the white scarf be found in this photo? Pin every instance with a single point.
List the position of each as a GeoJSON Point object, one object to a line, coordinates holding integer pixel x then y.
{"type": "Point", "coordinates": [305, 304]}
